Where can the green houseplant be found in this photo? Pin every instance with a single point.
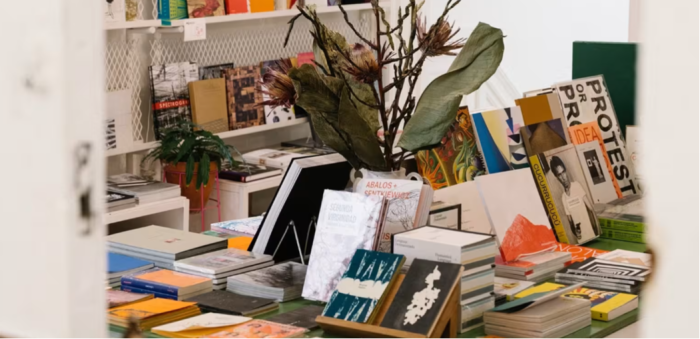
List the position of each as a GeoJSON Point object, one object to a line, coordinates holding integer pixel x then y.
{"type": "Point", "coordinates": [184, 150]}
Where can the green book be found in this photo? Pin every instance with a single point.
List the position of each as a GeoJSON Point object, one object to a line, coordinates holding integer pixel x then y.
{"type": "Point", "coordinates": [622, 222]}
{"type": "Point", "coordinates": [169, 10]}
{"type": "Point", "coordinates": [617, 62]}
{"type": "Point", "coordinates": [623, 235]}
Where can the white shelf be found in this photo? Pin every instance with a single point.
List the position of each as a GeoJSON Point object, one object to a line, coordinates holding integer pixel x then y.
{"type": "Point", "coordinates": [132, 24]}
{"type": "Point", "coordinates": [142, 210]}
{"type": "Point", "coordinates": [140, 147]}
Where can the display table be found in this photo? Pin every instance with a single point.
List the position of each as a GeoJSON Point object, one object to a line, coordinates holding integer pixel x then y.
{"type": "Point", "coordinates": [598, 329]}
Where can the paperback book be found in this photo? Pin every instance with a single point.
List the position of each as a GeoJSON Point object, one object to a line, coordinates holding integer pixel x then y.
{"type": "Point", "coordinates": [301, 317]}
{"type": "Point", "coordinates": [151, 313]}
{"type": "Point", "coordinates": [221, 261]}
{"type": "Point", "coordinates": [166, 282]}
{"type": "Point", "coordinates": [244, 227]}
{"type": "Point", "coordinates": [205, 8]}
{"type": "Point", "coordinates": [242, 95]}
{"type": "Point", "coordinates": [540, 107]}
{"type": "Point", "coordinates": [635, 237]}
{"type": "Point", "coordinates": [628, 257]}
{"type": "Point", "coordinates": [499, 139]}
{"type": "Point", "coordinates": [589, 132]}
{"type": "Point", "coordinates": [244, 172]}
{"type": "Point", "coordinates": [605, 305]}
{"type": "Point", "coordinates": [116, 298]}
{"type": "Point", "coordinates": [213, 72]}
{"type": "Point", "coordinates": [170, 94]}
{"type": "Point", "coordinates": [260, 329]}
{"type": "Point", "coordinates": [472, 212]}
{"type": "Point", "coordinates": [208, 102]}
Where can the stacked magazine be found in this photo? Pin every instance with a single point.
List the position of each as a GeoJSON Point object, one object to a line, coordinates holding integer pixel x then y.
{"type": "Point", "coordinates": [282, 282]}
{"type": "Point", "coordinates": [219, 265]}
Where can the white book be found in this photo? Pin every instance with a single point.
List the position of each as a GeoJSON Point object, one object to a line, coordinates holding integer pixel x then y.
{"type": "Point", "coordinates": [594, 169]}
{"type": "Point", "coordinates": [272, 157]}
{"type": "Point", "coordinates": [152, 192]}
{"type": "Point", "coordinates": [445, 245]}
{"type": "Point", "coordinates": [168, 243]}
{"type": "Point", "coordinates": [225, 260]}
{"type": "Point", "coordinates": [473, 213]}
{"type": "Point", "coordinates": [627, 257]}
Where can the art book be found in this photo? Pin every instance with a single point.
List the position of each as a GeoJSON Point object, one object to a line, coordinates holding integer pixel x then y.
{"type": "Point", "coordinates": [610, 269]}
{"type": "Point", "coordinates": [280, 113]}
{"type": "Point", "coordinates": [457, 159]}
{"type": "Point", "coordinates": [516, 213]}
{"type": "Point", "coordinates": [422, 295]}
{"type": "Point", "coordinates": [205, 8]}
{"type": "Point", "coordinates": [499, 140]}
{"type": "Point", "coordinates": [151, 313]}
{"type": "Point", "coordinates": [260, 329]}
{"type": "Point", "coordinates": [403, 203]}
{"type": "Point", "coordinates": [599, 181]}
{"type": "Point", "coordinates": [364, 284]}
{"type": "Point", "coordinates": [166, 281]}
{"type": "Point", "coordinates": [347, 221]}
{"type": "Point", "coordinates": [540, 108]}
{"type": "Point", "coordinates": [544, 136]}
{"type": "Point", "coordinates": [169, 10]}
{"type": "Point", "coordinates": [243, 95]}
{"type": "Point", "coordinates": [587, 100]}
{"type": "Point", "coordinates": [588, 132]}
{"type": "Point", "coordinates": [170, 94]}
{"type": "Point", "coordinates": [564, 190]}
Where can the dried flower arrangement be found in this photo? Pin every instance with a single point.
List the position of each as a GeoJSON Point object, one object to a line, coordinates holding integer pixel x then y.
{"type": "Point", "coordinates": [359, 113]}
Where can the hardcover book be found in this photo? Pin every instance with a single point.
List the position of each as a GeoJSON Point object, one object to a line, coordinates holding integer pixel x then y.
{"type": "Point", "coordinates": [208, 101]}
{"type": "Point", "coordinates": [586, 100]}
{"type": "Point", "coordinates": [244, 172]}
{"type": "Point", "coordinates": [301, 317]}
{"type": "Point", "coordinates": [422, 295]}
{"type": "Point", "coordinates": [499, 140]}
{"type": "Point", "coordinates": [588, 132]}
{"type": "Point", "coordinates": [347, 221]}
{"type": "Point", "coordinates": [446, 245]}
{"type": "Point", "coordinates": [599, 181]}
{"type": "Point", "coordinates": [544, 136]}
{"type": "Point", "coordinates": [116, 298]}
{"type": "Point", "coordinates": [170, 94]}
{"type": "Point", "coordinates": [214, 72]}
{"type": "Point", "coordinates": [280, 113]}
{"type": "Point", "coordinates": [363, 286]}
{"type": "Point", "coordinates": [205, 8]}
{"type": "Point", "coordinates": [564, 190]}
{"type": "Point", "coordinates": [243, 94]}
{"type": "Point", "coordinates": [457, 159]}
{"type": "Point", "coordinates": [473, 216]}
{"type": "Point", "coordinates": [260, 329]}
{"type": "Point", "coordinates": [199, 326]}
{"type": "Point", "coordinates": [163, 242]}
{"type": "Point", "coordinates": [516, 213]}
{"type": "Point", "coordinates": [221, 261]}
{"type": "Point", "coordinates": [233, 303]}
{"type": "Point", "coordinates": [540, 108]}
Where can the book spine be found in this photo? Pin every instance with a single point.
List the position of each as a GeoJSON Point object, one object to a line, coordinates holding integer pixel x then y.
{"type": "Point", "coordinates": [547, 200]}
{"type": "Point", "coordinates": [155, 294]}
{"type": "Point", "coordinates": [149, 286]}
{"type": "Point", "coordinates": [621, 225]}
{"type": "Point", "coordinates": [597, 315]}
{"type": "Point", "coordinates": [623, 235]}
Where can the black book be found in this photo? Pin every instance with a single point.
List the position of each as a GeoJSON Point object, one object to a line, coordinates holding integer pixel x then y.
{"type": "Point", "coordinates": [301, 317]}
{"type": "Point", "coordinates": [244, 172]}
{"type": "Point", "coordinates": [232, 303]}
{"type": "Point", "coordinates": [421, 297]}
{"type": "Point", "coordinates": [298, 199]}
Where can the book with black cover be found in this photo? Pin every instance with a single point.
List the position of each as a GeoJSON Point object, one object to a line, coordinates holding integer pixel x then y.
{"type": "Point", "coordinates": [232, 303]}
{"type": "Point", "coordinates": [246, 172]}
{"type": "Point", "coordinates": [301, 317]}
{"type": "Point", "coordinates": [417, 304]}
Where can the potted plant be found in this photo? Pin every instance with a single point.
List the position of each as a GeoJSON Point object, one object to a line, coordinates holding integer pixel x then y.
{"type": "Point", "coordinates": [184, 150]}
{"type": "Point", "coordinates": [358, 110]}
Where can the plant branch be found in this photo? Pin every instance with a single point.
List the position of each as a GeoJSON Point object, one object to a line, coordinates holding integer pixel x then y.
{"type": "Point", "coordinates": [354, 30]}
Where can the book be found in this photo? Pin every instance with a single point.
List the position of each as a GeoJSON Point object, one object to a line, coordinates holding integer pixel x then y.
{"type": "Point", "coordinates": [516, 213]}
{"type": "Point", "coordinates": [160, 294]}
{"type": "Point", "coordinates": [167, 281]}
{"type": "Point", "coordinates": [363, 286]}
{"type": "Point", "coordinates": [533, 263]}
{"type": "Point", "coordinates": [634, 149]}
{"type": "Point", "coordinates": [627, 257]}
{"type": "Point", "coordinates": [597, 106]}
{"type": "Point", "coordinates": [540, 108]}
{"type": "Point", "coordinates": [205, 8]}
{"type": "Point", "coordinates": [564, 191]}
{"type": "Point", "coordinates": [258, 6]}
{"type": "Point", "coordinates": [473, 215]}
{"type": "Point", "coordinates": [132, 9]}
{"type": "Point", "coordinates": [126, 180]}
{"type": "Point", "coordinates": [208, 102]}
{"type": "Point", "coordinates": [245, 227]}
{"type": "Point", "coordinates": [280, 113]}
{"type": "Point", "coordinates": [605, 306]}
{"type": "Point", "coordinates": [214, 71]}
{"type": "Point", "coordinates": [347, 221]}
{"type": "Point", "coordinates": [301, 317]}
{"type": "Point", "coordinates": [151, 192]}
{"type": "Point", "coordinates": [114, 10]}
{"type": "Point", "coordinates": [281, 282]}
{"type": "Point", "coordinates": [406, 205]}
{"type": "Point", "coordinates": [555, 318]}
{"type": "Point", "coordinates": [472, 314]}
{"type": "Point", "coordinates": [221, 261]}
{"type": "Point", "coordinates": [244, 172]}
{"type": "Point", "coordinates": [236, 6]}
{"type": "Point", "coordinates": [420, 300]}
{"type": "Point", "coordinates": [541, 288]}
{"type": "Point", "coordinates": [298, 201]}
{"type": "Point", "coordinates": [544, 136]}
{"type": "Point", "coordinates": [169, 10]}
{"type": "Point", "coordinates": [273, 157]}
{"type": "Point", "coordinates": [170, 93]}
{"type": "Point", "coordinates": [116, 298]}
{"type": "Point", "coordinates": [621, 222]}
{"type": "Point", "coordinates": [198, 326]}
{"type": "Point", "coordinates": [631, 204]}
{"type": "Point", "coordinates": [579, 253]}
{"type": "Point", "coordinates": [119, 265]}
{"type": "Point", "coordinates": [610, 269]}
{"type": "Point", "coordinates": [623, 235]}
{"type": "Point", "coordinates": [232, 303]}
{"type": "Point", "coordinates": [457, 159]}
{"type": "Point", "coordinates": [598, 179]}
{"type": "Point", "coordinates": [507, 288]}
{"type": "Point", "coordinates": [242, 92]}
{"type": "Point", "coordinates": [260, 329]}
{"type": "Point", "coordinates": [152, 313]}
{"type": "Point", "coordinates": [499, 140]}
{"type": "Point", "coordinates": [589, 132]}
{"type": "Point", "coordinates": [118, 200]}
{"type": "Point", "coordinates": [469, 249]}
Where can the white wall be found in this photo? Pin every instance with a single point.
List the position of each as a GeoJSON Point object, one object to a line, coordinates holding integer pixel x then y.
{"type": "Point", "coordinates": [540, 33]}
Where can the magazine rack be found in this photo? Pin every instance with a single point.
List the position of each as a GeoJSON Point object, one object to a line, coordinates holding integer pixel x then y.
{"type": "Point", "coordinates": [445, 326]}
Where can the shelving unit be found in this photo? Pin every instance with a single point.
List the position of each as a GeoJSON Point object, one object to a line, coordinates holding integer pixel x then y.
{"type": "Point", "coordinates": [142, 210]}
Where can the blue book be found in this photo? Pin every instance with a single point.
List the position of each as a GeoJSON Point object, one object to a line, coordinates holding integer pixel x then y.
{"type": "Point", "coordinates": [119, 265]}
{"type": "Point", "coordinates": [363, 285]}
{"type": "Point", "coordinates": [166, 281]}
{"type": "Point", "coordinates": [142, 291]}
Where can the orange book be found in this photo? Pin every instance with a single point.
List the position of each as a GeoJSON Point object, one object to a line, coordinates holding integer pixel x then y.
{"type": "Point", "coordinates": [236, 6]}
{"type": "Point", "coordinates": [583, 133]}
{"type": "Point", "coordinates": [260, 329]}
{"type": "Point", "coordinates": [240, 243]}
{"type": "Point", "coordinates": [166, 281]}
{"type": "Point", "coordinates": [257, 6]}
{"type": "Point", "coordinates": [152, 312]}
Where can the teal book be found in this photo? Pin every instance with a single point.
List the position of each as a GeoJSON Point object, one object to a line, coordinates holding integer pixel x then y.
{"type": "Point", "coordinates": [363, 286]}
{"type": "Point", "coordinates": [169, 10]}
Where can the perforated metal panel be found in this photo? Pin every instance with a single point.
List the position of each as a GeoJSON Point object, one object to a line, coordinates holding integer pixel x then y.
{"type": "Point", "coordinates": [123, 68]}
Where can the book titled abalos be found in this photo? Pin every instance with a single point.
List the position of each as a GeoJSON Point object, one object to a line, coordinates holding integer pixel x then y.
{"type": "Point", "coordinates": [347, 222]}
{"type": "Point", "coordinates": [363, 285]}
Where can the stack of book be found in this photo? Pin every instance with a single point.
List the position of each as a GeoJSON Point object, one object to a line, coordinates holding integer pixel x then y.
{"type": "Point", "coordinates": [622, 219]}
{"type": "Point", "coordinates": [162, 245]}
{"type": "Point", "coordinates": [150, 192]}
{"type": "Point", "coordinates": [232, 303]}
{"type": "Point", "coordinates": [506, 289]}
{"type": "Point", "coordinates": [260, 329]}
{"type": "Point", "coordinates": [119, 200]}
{"type": "Point", "coordinates": [605, 275]}
{"type": "Point", "coordinates": [166, 284]}
{"type": "Point", "coordinates": [476, 253]}
{"type": "Point", "coordinates": [282, 282]}
{"type": "Point", "coordinates": [219, 265]}
{"type": "Point", "coordinates": [126, 180]}
{"type": "Point", "coordinates": [119, 265]}
{"type": "Point", "coordinates": [151, 313]}
{"type": "Point", "coordinates": [553, 318]}
{"type": "Point", "coordinates": [536, 268]}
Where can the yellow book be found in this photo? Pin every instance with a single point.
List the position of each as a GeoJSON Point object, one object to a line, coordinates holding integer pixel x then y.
{"type": "Point", "coordinates": [546, 287]}
{"type": "Point", "coordinates": [606, 305]}
{"type": "Point", "coordinates": [546, 195]}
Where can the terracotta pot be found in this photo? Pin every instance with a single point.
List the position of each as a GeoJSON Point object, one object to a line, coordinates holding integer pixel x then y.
{"type": "Point", "coordinates": [176, 175]}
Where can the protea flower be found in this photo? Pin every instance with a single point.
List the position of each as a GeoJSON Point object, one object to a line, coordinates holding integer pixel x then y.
{"type": "Point", "coordinates": [277, 86]}
{"type": "Point", "coordinates": [362, 64]}
{"type": "Point", "coordinates": [437, 41]}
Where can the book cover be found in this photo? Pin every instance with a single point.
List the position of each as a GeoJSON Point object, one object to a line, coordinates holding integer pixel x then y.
{"type": "Point", "coordinates": [611, 269]}
{"type": "Point", "coordinates": [169, 10]}
{"type": "Point", "coordinates": [583, 133]}
{"type": "Point", "coordinates": [533, 261]}
{"type": "Point", "coordinates": [403, 198]}
{"type": "Point", "coordinates": [244, 172]}
{"type": "Point", "coordinates": [246, 226]}
{"type": "Point", "coordinates": [301, 317]}
{"type": "Point", "coordinates": [116, 298]}
{"type": "Point", "coordinates": [544, 136]}
{"type": "Point", "coordinates": [121, 263]}
{"type": "Point", "coordinates": [457, 159]}
{"type": "Point", "coordinates": [516, 213]}
{"type": "Point", "coordinates": [243, 94]}
{"type": "Point", "coordinates": [231, 303]}
{"type": "Point", "coordinates": [236, 6]}
{"type": "Point", "coordinates": [564, 190]}
{"type": "Point", "coordinates": [544, 287]}
{"type": "Point", "coordinates": [164, 242]}
{"type": "Point", "coordinates": [260, 329]}
{"type": "Point", "coordinates": [208, 102]}
{"type": "Point", "coordinates": [602, 302]}
{"type": "Point", "coordinates": [623, 235]}
{"type": "Point", "coordinates": [363, 286]}
{"type": "Point", "coordinates": [499, 140]}
{"type": "Point", "coordinates": [599, 181]}
{"type": "Point", "coordinates": [540, 108]}
{"type": "Point", "coordinates": [132, 9]}
{"type": "Point", "coordinates": [280, 113]}
{"type": "Point", "coordinates": [198, 326]}
{"type": "Point", "coordinates": [508, 288]}
{"type": "Point", "coordinates": [166, 281]}
{"type": "Point", "coordinates": [347, 221]}
{"type": "Point", "coordinates": [214, 71]}
{"type": "Point", "coordinates": [258, 6]}
{"type": "Point", "coordinates": [420, 299]}
{"type": "Point", "coordinates": [587, 100]}
{"type": "Point", "coordinates": [205, 8]}
{"type": "Point", "coordinates": [289, 275]}
{"type": "Point", "coordinates": [579, 253]}
{"type": "Point", "coordinates": [473, 212]}
{"type": "Point", "coordinates": [170, 94]}
{"type": "Point", "coordinates": [627, 257]}
{"type": "Point", "coordinates": [221, 261]}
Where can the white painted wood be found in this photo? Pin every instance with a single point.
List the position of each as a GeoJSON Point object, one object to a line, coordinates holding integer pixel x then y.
{"type": "Point", "coordinates": [141, 210]}
{"type": "Point", "coordinates": [51, 250]}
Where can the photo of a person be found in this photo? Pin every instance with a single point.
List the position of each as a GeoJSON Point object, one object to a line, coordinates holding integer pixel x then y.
{"type": "Point", "coordinates": [576, 203]}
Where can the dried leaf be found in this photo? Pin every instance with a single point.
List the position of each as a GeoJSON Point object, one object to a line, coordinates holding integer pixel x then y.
{"type": "Point", "coordinates": [360, 124]}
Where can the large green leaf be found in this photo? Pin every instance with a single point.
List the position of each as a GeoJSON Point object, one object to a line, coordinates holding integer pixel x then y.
{"type": "Point", "coordinates": [360, 124]}
{"type": "Point", "coordinates": [437, 107]}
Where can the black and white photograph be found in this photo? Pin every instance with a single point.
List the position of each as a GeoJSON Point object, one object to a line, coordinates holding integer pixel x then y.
{"type": "Point", "coordinates": [594, 167]}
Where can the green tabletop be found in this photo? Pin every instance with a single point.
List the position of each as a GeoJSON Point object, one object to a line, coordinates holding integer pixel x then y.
{"type": "Point", "coordinates": [598, 329]}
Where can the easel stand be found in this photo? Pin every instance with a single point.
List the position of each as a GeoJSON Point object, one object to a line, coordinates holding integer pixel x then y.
{"type": "Point", "coordinates": [296, 238]}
